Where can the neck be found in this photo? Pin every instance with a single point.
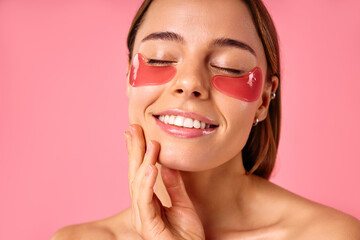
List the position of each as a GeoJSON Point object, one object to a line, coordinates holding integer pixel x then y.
{"type": "Point", "coordinates": [219, 193]}
{"type": "Point", "coordinates": [216, 192]}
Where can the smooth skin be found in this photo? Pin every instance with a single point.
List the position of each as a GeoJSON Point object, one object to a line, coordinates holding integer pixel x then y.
{"type": "Point", "coordinates": [208, 196]}
{"type": "Point", "coordinates": [290, 216]}
{"type": "Point", "coordinates": [149, 217]}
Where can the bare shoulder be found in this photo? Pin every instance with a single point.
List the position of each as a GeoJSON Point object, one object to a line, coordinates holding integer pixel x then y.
{"type": "Point", "coordinates": [84, 231]}
{"type": "Point", "coordinates": [331, 224]}
{"type": "Point", "coordinates": [116, 227]}
{"type": "Point", "coordinates": [306, 219]}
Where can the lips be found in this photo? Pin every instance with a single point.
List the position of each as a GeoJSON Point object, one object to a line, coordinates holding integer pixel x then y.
{"type": "Point", "coordinates": [185, 114]}
{"type": "Point", "coordinates": [185, 124]}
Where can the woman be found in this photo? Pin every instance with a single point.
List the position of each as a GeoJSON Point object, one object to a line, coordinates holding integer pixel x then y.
{"type": "Point", "coordinates": [204, 94]}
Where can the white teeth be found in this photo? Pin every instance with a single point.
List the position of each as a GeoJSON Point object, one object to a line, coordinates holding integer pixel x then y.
{"type": "Point", "coordinates": [166, 120]}
{"type": "Point", "coordinates": [181, 121]}
{"type": "Point", "coordinates": [197, 124]}
{"type": "Point", "coordinates": [171, 119]}
{"type": "Point", "coordinates": [188, 123]}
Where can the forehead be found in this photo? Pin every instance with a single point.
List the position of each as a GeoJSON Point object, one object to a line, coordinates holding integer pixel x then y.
{"type": "Point", "coordinates": [200, 21]}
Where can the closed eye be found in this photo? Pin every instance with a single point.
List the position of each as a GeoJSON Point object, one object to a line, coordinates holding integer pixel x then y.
{"type": "Point", "coordinates": [159, 62]}
{"type": "Point", "coordinates": [229, 70]}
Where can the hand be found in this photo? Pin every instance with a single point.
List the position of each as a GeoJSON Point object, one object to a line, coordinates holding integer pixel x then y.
{"type": "Point", "coordinates": [150, 218]}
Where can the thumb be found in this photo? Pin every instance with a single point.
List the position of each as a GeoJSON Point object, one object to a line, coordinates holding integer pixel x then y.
{"type": "Point", "coordinates": [175, 187]}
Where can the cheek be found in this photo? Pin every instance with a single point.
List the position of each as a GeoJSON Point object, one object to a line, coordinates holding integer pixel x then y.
{"type": "Point", "coordinates": [238, 122]}
{"type": "Point", "coordinates": [246, 88]}
{"type": "Point", "coordinates": [142, 74]}
{"type": "Point", "coordinates": [139, 101]}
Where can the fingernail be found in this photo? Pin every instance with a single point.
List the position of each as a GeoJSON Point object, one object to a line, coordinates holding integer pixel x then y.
{"type": "Point", "coordinates": [148, 171]}
{"type": "Point", "coordinates": [132, 130]}
{"type": "Point", "coordinates": [126, 134]}
{"type": "Point", "coordinates": [149, 146]}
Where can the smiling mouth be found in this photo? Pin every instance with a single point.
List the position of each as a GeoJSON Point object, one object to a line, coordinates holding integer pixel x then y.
{"type": "Point", "coordinates": [184, 122]}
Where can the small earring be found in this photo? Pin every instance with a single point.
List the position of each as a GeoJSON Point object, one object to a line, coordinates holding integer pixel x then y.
{"type": "Point", "coordinates": [273, 95]}
{"type": "Point", "coordinates": [256, 122]}
{"type": "Point", "coordinates": [127, 72]}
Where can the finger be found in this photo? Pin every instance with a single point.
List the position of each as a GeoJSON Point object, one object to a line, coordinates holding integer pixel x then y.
{"type": "Point", "coordinates": [135, 219]}
{"type": "Point", "coordinates": [137, 150]}
{"type": "Point", "coordinates": [136, 187]}
{"type": "Point", "coordinates": [127, 135]}
{"type": "Point", "coordinates": [175, 187]}
{"type": "Point", "coordinates": [145, 202]}
{"type": "Point", "coordinates": [152, 153]}
{"type": "Point", "coordinates": [157, 203]}
{"type": "Point", "coordinates": [149, 206]}
{"type": "Point", "coordinates": [153, 227]}
{"type": "Point", "coordinates": [151, 156]}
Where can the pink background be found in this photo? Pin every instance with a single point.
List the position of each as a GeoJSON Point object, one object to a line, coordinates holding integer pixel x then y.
{"type": "Point", "coordinates": [63, 109]}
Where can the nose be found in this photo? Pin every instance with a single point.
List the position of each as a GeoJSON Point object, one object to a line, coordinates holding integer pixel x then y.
{"type": "Point", "coordinates": [191, 82]}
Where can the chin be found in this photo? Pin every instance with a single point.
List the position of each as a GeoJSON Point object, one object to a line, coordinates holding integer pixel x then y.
{"type": "Point", "coordinates": [188, 161]}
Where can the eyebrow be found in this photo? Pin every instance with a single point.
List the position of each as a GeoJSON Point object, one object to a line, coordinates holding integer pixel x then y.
{"type": "Point", "coordinates": [221, 42]}
{"type": "Point", "coordinates": [228, 42]}
{"type": "Point", "coordinates": [169, 36]}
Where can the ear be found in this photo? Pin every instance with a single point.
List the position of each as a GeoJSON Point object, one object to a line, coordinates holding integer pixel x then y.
{"type": "Point", "coordinates": [127, 78]}
{"type": "Point", "coordinates": [270, 87]}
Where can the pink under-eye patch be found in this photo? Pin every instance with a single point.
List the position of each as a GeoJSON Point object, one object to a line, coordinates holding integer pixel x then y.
{"type": "Point", "coordinates": [246, 88]}
{"type": "Point", "coordinates": [142, 74]}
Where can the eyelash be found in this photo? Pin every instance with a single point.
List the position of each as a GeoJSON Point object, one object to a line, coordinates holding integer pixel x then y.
{"type": "Point", "coordinates": [229, 70]}
{"type": "Point", "coordinates": [159, 62]}
{"type": "Point", "coordinates": [162, 62]}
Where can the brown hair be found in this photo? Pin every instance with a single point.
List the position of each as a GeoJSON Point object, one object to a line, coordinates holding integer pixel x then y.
{"type": "Point", "coordinates": [259, 153]}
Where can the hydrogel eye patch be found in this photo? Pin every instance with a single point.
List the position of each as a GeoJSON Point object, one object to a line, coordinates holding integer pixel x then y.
{"type": "Point", "coordinates": [246, 88]}
{"type": "Point", "coordinates": [142, 74]}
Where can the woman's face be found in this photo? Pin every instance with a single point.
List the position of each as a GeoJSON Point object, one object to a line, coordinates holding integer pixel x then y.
{"type": "Point", "coordinates": [197, 53]}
